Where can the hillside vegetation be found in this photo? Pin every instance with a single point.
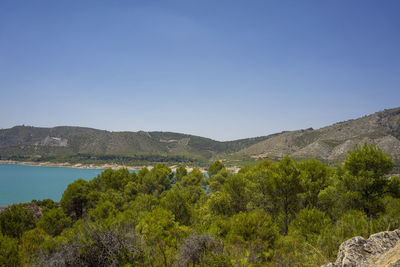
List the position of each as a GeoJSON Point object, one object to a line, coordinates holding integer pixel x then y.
{"type": "Point", "coordinates": [332, 143]}
{"type": "Point", "coordinates": [84, 145]}
{"type": "Point", "coordinates": [284, 213]}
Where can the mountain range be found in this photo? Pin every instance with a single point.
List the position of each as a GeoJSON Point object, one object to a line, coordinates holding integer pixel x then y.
{"type": "Point", "coordinates": [87, 145]}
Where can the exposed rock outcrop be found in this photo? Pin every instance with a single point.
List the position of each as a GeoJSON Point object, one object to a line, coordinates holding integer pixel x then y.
{"type": "Point", "coordinates": [381, 249]}
{"type": "Point", "coordinates": [332, 143]}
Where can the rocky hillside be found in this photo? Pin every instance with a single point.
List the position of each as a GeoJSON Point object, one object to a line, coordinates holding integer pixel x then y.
{"type": "Point", "coordinates": [30, 143]}
{"type": "Point", "coordinates": [329, 144]}
{"type": "Point", "coordinates": [333, 142]}
{"type": "Point", "coordinates": [379, 250]}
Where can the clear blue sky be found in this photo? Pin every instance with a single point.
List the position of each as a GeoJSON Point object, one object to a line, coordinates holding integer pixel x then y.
{"type": "Point", "coordinates": [221, 69]}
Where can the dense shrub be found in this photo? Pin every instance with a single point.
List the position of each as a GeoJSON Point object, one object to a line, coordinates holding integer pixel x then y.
{"type": "Point", "coordinates": [282, 213]}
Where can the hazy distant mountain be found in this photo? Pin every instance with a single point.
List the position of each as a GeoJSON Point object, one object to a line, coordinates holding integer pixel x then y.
{"type": "Point", "coordinates": [85, 144]}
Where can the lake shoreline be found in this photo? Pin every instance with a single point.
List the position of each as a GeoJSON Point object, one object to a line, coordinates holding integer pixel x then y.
{"type": "Point", "coordinates": [87, 166]}
{"type": "Point", "coordinates": [22, 183]}
{"type": "Point", "coordinates": [69, 165]}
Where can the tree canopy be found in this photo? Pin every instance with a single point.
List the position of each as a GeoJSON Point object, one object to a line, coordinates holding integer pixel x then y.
{"type": "Point", "coordinates": [282, 213]}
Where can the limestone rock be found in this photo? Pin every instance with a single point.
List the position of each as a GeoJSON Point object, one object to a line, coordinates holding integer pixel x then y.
{"type": "Point", "coordinates": [381, 249]}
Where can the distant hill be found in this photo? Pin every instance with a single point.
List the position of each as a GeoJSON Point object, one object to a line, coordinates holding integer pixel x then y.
{"type": "Point", "coordinates": [86, 145]}
{"type": "Point", "coordinates": [333, 142]}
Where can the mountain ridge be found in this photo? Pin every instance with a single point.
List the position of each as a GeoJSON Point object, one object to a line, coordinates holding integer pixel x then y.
{"type": "Point", "coordinates": [330, 143]}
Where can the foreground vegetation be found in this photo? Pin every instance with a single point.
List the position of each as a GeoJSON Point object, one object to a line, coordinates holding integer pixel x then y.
{"type": "Point", "coordinates": [282, 213]}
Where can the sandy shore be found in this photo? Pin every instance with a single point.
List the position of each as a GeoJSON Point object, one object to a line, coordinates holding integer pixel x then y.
{"type": "Point", "coordinates": [87, 166]}
{"type": "Point", "coordinates": [69, 165]}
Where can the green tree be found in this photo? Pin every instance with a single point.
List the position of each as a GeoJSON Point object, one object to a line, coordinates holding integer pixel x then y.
{"type": "Point", "coordinates": [216, 181]}
{"type": "Point", "coordinates": [15, 220]}
{"type": "Point", "coordinates": [130, 190]}
{"type": "Point", "coordinates": [113, 196]}
{"type": "Point", "coordinates": [180, 173]}
{"type": "Point", "coordinates": [143, 203]}
{"type": "Point", "coordinates": [54, 221]}
{"type": "Point", "coordinates": [75, 198]}
{"type": "Point", "coordinates": [393, 186]}
{"type": "Point", "coordinates": [256, 233]}
{"type": "Point", "coordinates": [114, 179]}
{"type": "Point", "coordinates": [175, 201]}
{"type": "Point", "coordinates": [195, 177]}
{"type": "Point", "coordinates": [102, 211]}
{"type": "Point", "coordinates": [33, 243]}
{"type": "Point", "coordinates": [329, 201]}
{"type": "Point", "coordinates": [261, 177]}
{"type": "Point", "coordinates": [237, 186]}
{"type": "Point", "coordinates": [390, 219]}
{"type": "Point", "coordinates": [352, 223]}
{"type": "Point", "coordinates": [215, 168]}
{"type": "Point", "coordinates": [191, 186]}
{"type": "Point", "coordinates": [364, 178]}
{"type": "Point", "coordinates": [220, 203]}
{"type": "Point", "coordinates": [315, 177]}
{"type": "Point", "coordinates": [162, 234]}
{"type": "Point", "coordinates": [249, 226]}
{"type": "Point", "coordinates": [9, 251]}
{"type": "Point", "coordinates": [309, 223]}
{"type": "Point", "coordinates": [155, 181]}
{"type": "Point", "coordinates": [368, 161]}
{"type": "Point", "coordinates": [285, 189]}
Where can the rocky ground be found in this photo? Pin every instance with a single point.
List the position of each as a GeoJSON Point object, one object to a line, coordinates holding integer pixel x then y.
{"type": "Point", "coordinates": [381, 249]}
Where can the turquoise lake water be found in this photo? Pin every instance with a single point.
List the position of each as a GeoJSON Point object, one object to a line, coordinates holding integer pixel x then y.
{"type": "Point", "coordinates": [22, 183]}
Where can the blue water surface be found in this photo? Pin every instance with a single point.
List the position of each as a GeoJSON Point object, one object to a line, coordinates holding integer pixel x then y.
{"type": "Point", "coordinates": [22, 183]}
